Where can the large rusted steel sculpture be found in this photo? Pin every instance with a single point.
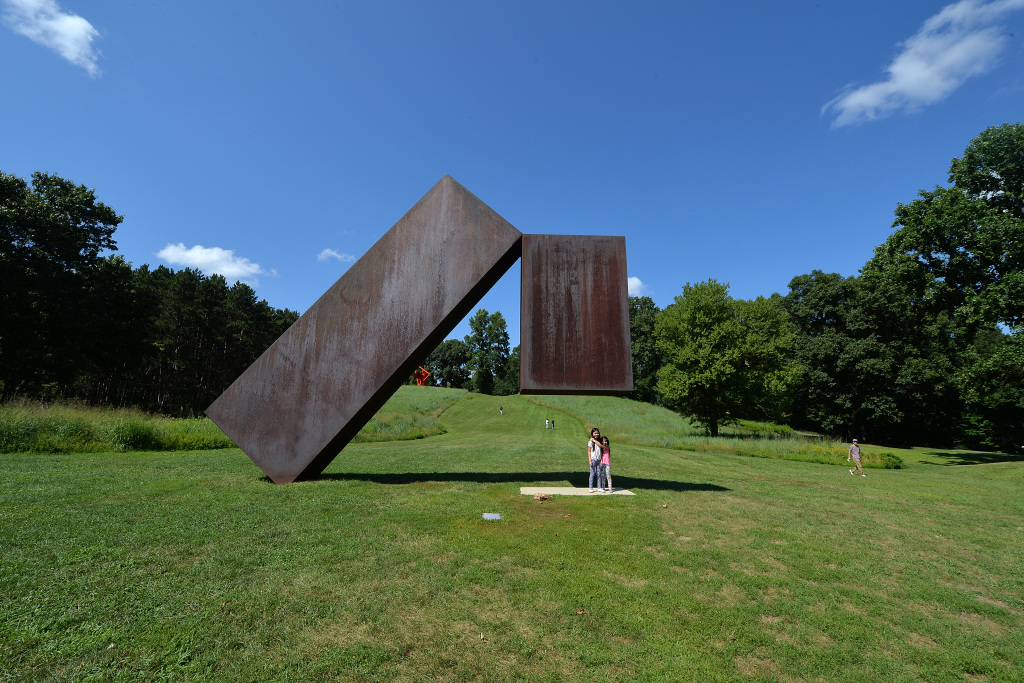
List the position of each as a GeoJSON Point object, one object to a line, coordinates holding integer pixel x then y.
{"type": "Point", "coordinates": [297, 406]}
{"type": "Point", "coordinates": [575, 316]}
{"type": "Point", "coordinates": [304, 399]}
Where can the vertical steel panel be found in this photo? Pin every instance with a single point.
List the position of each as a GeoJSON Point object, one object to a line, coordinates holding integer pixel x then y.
{"type": "Point", "coordinates": [297, 406]}
{"type": "Point", "coordinates": [575, 316]}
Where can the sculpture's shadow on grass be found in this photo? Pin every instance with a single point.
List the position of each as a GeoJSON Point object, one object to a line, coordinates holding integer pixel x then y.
{"type": "Point", "coordinates": [969, 458]}
{"type": "Point", "coordinates": [577, 479]}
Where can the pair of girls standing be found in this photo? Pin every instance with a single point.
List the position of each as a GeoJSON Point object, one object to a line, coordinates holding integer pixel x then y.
{"type": "Point", "coordinates": [599, 454]}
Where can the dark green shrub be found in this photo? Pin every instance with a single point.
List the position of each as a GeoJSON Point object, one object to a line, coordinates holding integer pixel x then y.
{"type": "Point", "coordinates": [891, 461]}
{"type": "Point", "coordinates": [131, 434]}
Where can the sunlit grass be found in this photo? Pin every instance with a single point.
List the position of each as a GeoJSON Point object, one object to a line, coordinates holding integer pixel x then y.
{"type": "Point", "coordinates": [642, 424]}
{"type": "Point", "coordinates": [193, 566]}
{"type": "Point", "coordinates": [412, 413]}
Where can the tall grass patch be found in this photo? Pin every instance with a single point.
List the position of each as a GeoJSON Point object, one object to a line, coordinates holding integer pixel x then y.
{"type": "Point", "coordinates": [412, 413]}
{"type": "Point", "coordinates": [27, 427]}
{"type": "Point", "coordinates": [30, 427]}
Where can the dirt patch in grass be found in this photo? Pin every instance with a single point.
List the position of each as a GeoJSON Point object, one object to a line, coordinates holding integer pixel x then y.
{"type": "Point", "coordinates": [332, 635]}
{"type": "Point", "coordinates": [997, 603]}
{"type": "Point", "coordinates": [626, 581]}
{"type": "Point", "coordinates": [852, 609]}
{"type": "Point", "coordinates": [773, 593]}
{"type": "Point", "coordinates": [752, 665]}
{"type": "Point", "coordinates": [730, 594]}
{"type": "Point", "coordinates": [782, 636]}
{"type": "Point", "coordinates": [959, 586]}
{"type": "Point", "coordinates": [823, 640]}
{"type": "Point", "coordinates": [917, 640]}
{"type": "Point", "coordinates": [979, 621]}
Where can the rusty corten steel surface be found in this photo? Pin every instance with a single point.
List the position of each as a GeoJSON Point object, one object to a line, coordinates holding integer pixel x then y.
{"type": "Point", "coordinates": [297, 406]}
{"type": "Point", "coordinates": [574, 336]}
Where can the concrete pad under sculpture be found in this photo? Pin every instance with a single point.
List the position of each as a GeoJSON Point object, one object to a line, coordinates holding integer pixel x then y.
{"type": "Point", "coordinates": [297, 406]}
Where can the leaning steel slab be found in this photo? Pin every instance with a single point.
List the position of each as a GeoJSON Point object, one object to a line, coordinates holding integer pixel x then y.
{"type": "Point", "coordinates": [297, 406]}
{"type": "Point", "coordinates": [574, 333]}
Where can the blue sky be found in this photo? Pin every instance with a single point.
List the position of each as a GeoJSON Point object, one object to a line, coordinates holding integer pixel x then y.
{"type": "Point", "coordinates": [275, 142]}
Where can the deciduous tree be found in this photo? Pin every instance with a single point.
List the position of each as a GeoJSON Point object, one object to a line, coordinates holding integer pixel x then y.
{"type": "Point", "coordinates": [448, 364]}
{"type": "Point", "coordinates": [647, 359]}
{"type": "Point", "coordinates": [488, 349]}
{"type": "Point", "coordinates": [724, 357]}
{"type": "Point", "coordinates": [52, 235]}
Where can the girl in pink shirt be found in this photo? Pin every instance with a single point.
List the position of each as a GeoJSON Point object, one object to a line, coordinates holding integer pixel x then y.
{"type": "Point", "coordinates": [606, 464]}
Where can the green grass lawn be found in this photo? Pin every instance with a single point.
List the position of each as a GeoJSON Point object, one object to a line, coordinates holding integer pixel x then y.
{"type": "Point", "coordinates": [193, 566]}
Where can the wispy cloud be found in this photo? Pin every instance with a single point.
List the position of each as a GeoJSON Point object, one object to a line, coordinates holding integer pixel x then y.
{"type": "Point", "coordinates": [212, 260]}
{"type": "Point", "coordinates": [636, 287]}
{"type": "Point", "coordinates": [961, 41]}
{"type": "Point", "coordinates": [332, 254]}
{"type": "Point", "coordinates": [44, 22]}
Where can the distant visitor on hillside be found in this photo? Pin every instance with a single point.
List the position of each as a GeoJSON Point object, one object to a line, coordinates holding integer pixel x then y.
{"type": "Point", "coordinates": [855, 454]}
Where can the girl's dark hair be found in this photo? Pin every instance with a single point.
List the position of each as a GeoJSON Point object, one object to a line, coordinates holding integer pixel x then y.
{"type": "Point", "coordinates": [604, 439]}
{"type": "Point", "coordinates": [594, 429]}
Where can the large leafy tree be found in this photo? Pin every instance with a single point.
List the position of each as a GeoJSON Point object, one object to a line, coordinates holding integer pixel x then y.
{"type": "Point", "coordinates": [992, 385]}
{"type": "Point", "coordinates": [448, 364]}
{"type": "Point", "coordinates": [647, 360]}
{"type": "Point", "coordinates": [969, 238]}
{"type": "Point", "coordinates": [52, 235]}
{"type": "Point", "coordinates": [849, 360]}
{"type": "Point", "coordinates": [700, 338]}
{"type": "Point", "coordinates": [769, 372]}
{"type": "Point", "coordinates": [877, 363]}
{"type": "Point", "coordinates": [488, 349]}
{"type": "Point", "coordinates": [507, 383]}
{"type": "Point", "coordinates": [724, 357]}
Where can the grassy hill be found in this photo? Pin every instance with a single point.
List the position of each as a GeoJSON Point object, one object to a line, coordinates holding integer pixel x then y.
{"type": "Point", "coordinates": [193, 566]}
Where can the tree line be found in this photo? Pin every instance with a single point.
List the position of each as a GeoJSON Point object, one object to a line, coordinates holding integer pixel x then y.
{"type": "Point", "coordinates": [79, 323]}
{"type": "Point", "coordinates": [923, 346]}
{"type": "Point", "coordinates": [481, 361]}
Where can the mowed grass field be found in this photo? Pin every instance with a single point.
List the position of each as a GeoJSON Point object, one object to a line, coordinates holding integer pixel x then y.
{"type": "Point", "coordinates": [192, 566]}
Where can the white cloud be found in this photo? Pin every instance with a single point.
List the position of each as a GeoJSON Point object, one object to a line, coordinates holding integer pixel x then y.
{"type": "Point", "coordinates": [44, 22]}
{"type": "Point", "coordinates": [959, 42]}
{"type": "Point", "coordinates": [636, 288]}
{"type": "Point", "coordinates": [212, 260]}
{"type": "Point", "coordinates": [331, 253]}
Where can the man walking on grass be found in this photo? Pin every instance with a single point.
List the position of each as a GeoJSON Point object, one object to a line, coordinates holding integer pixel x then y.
{"type": "Point", "coordinates": [855, 454]}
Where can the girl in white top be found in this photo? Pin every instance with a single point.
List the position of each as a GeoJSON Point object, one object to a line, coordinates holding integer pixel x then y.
{"type": "Point", "coordinates": [594, 456]}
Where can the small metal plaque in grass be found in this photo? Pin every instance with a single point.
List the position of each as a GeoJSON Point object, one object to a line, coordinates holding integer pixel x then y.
{"type": "Point", "coordinates": [492, 515]}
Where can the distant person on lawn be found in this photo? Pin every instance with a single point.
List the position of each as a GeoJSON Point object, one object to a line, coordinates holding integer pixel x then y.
{"type": "Point", "coordinates": [594, 456]}
{"type": "Point", "coordinates": [855, 454]}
